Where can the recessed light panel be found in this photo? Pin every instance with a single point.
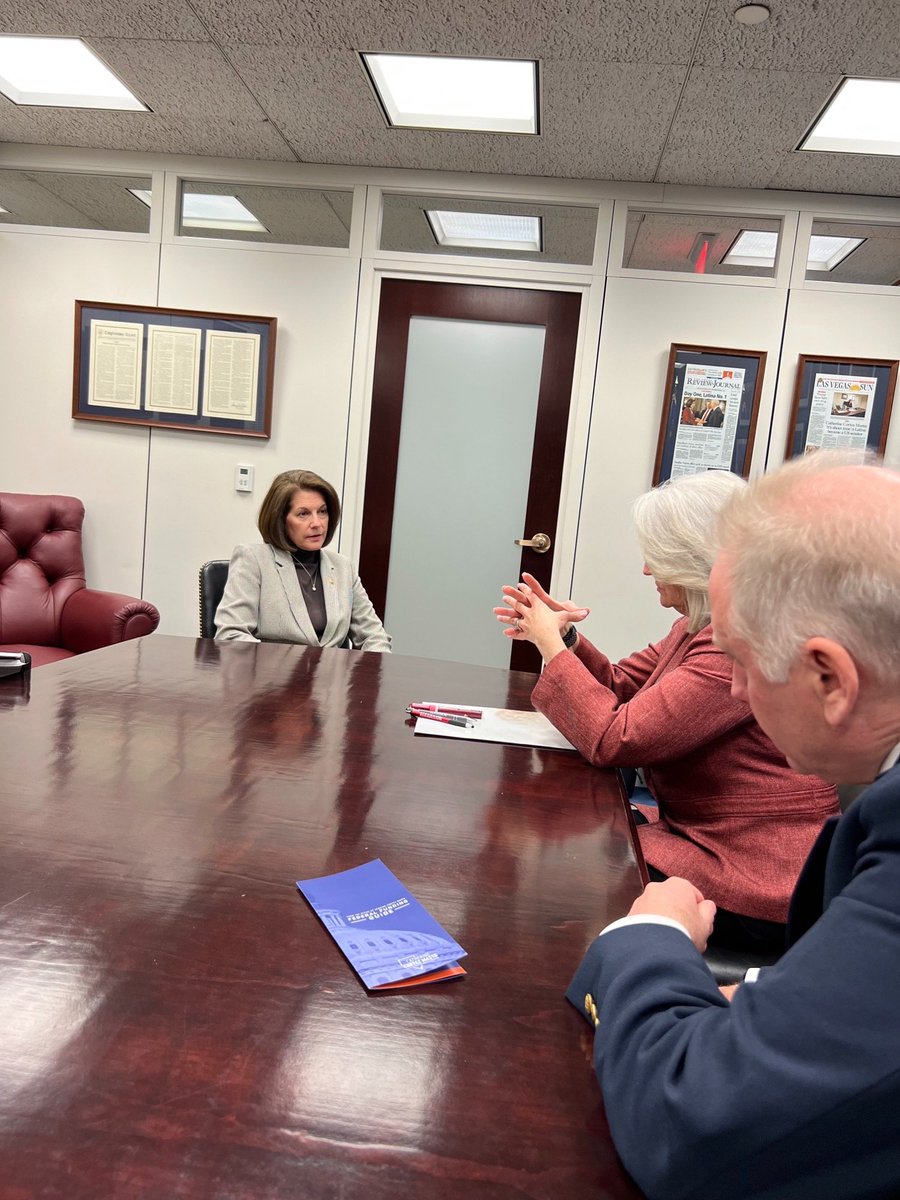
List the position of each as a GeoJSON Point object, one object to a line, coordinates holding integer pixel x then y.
{"type": "Point", "coordinates": [491, 231]}
{"type": "Point", "coordinates": [826, 252]}
{"type": "Point", "coordinates": [200, 211]}
{"type": "Point", "coordinates": [60, 72]}
{"type": "Point", "coordinates": [436, 92]}
{"type": "Point", "coordinates": [863, 117]}
{"type": "Point", "coordinates": [755, 248]}
{"type": "Point", "coordinates": [217, 212]}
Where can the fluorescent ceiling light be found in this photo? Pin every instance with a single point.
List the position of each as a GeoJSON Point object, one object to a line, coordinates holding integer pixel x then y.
{"type": "Point", "coordinates": [752, 248]}
{"type": "Point", "coordinates": [437, 92]}
{"type": "Point", "coordinates": [756, 248]}
{"type": "Point", "coordinates": [60, 72]}
{"type": "Point", "coordinates": [862, 117]}
{"type": "Point", "coordinates": [826, 252]}
{"type": "Point", "coordinates": [493, 231]}
{"type": "Point", "coordinates": [199, 211]}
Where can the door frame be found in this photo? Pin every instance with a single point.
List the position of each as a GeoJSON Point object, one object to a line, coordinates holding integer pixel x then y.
{"type": "Point", "coordinates": [591, 287]}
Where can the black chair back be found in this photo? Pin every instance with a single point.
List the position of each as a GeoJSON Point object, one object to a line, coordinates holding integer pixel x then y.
{"type": "Point", "coordinates": [213, 576]}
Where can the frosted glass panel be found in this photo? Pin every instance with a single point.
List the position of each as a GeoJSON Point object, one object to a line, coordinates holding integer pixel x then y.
{"type": "Point", "coordinates": [469, 407]}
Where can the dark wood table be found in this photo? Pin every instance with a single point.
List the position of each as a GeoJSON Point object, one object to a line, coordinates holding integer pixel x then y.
{"type": "Point", "coordinates": [175, 1021]}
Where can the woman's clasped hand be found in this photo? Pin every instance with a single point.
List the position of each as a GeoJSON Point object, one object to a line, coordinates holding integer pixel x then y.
{"type": "Point", "coordinates": [530, 614]}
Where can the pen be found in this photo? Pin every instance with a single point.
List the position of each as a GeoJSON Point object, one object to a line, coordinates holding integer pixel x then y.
{"type": "Point", "coordinates": [459, 722]}
{"type": "Point", "coordinates": [441, 708]}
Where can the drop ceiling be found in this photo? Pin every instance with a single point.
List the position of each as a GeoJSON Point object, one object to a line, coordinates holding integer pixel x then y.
{"type": "Point", "coordinates": [657, 91]}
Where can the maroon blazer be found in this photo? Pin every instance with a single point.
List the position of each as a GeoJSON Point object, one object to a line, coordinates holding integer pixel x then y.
{"type": "Point", "coordinates": [734, 818]}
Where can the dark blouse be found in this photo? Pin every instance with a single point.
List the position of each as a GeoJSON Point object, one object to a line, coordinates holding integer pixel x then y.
{"type": "Point", "coordinates": [309, 576]}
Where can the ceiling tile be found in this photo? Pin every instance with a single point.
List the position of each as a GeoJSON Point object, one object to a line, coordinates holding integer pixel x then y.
{"type": "Point", "coordinates": [859, 174]}
{"type": "Point", "coordinates": [859, 37]}
{"type": "Point", "coordinates": [735, 127]}
{"type": "Point", "coordinates": [172, 20]}
{"type": "Point", "coordinates": [199, 106]}
{"type": "Point", "coordinates": [325, 108]}
{"type": "Point", "coordinates": [614, 30]}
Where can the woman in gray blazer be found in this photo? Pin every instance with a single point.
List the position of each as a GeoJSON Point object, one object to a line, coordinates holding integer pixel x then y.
{"type": "Point", "coordinates": [293, 588]}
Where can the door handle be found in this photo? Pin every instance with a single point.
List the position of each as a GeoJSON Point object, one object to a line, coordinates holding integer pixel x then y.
{"type": "Point", "coordinates": [540, 543]}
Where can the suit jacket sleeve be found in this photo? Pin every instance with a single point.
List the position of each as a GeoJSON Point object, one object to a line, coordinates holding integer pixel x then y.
{"type": "Point", "coordinates": [606, 714]}
{"type": "Point", "coordinates": [793, 1088]}
{"type": "Point", "coordinates": [366, 631]}
{"type": "Point", "coordinates": [237, 617]}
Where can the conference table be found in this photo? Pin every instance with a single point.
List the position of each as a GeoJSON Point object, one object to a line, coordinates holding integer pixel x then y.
{"type": "Point", "coordinates": [174, 1019]}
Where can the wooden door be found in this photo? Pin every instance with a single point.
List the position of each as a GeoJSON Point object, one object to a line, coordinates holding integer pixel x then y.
{"type": "Point", "coordinates": [448, 519]}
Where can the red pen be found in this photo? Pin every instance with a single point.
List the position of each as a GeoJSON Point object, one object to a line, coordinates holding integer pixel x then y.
{"type": "Point", "coordinates": [459, 722]}
{"type": "Point", "coordinates": [441, 708]}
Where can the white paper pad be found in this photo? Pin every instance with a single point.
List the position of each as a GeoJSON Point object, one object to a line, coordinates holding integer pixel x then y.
{"type": "Point", "coordinates": [510, 726]}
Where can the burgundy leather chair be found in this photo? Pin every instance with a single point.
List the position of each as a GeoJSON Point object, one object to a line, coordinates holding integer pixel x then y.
{"type": "Point", "coordinates": [45, 607]}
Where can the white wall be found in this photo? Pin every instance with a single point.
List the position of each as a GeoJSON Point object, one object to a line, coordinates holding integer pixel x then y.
{"type": "Point", "coordinates": [42, 448]}
{"type": "Point", "coordinates": [161, 502]}
{"type": "Point", "coordinates": [193, 511]}
{"type": "Point", "coordinates": [852, 323]}
{"type": "Point", "coordinates": [641, 318]}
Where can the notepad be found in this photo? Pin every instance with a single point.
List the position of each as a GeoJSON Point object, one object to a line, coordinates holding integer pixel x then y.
{"type": "Point", "coordinates": [510, 726]}
{"type": "Point", "coordinates": [386, 935]}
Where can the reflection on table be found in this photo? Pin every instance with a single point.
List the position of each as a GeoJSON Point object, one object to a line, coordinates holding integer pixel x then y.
{"type": "Point", "coordinates": [175, 1020]}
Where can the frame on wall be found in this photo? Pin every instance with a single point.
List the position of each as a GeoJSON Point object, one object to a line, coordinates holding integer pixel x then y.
{"type": "Point", "coordinates": [173, 368]}
{"type": "Point", "coordinates": [841, 402]}
{"type": "Point", "coordinates": [710, 407]}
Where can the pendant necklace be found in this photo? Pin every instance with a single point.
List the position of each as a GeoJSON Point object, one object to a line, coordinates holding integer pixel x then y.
{"type": "Point", "coordinates": [312, 576]}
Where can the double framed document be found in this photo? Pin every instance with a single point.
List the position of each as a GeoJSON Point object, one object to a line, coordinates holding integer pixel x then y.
{"type": "Point", "coordinates": [841, 403]}
{"type": "Point", "coordinates": [710, 407]}
{"type": "Point", "coordinates": [174, 368]}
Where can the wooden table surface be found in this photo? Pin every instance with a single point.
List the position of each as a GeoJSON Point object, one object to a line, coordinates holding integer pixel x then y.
{"type": "Point", "coordinates": [175, 1021]}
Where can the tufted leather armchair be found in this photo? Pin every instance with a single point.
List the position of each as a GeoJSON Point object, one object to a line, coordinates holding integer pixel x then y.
{"type": "Point", "coordinates": [45, 607]}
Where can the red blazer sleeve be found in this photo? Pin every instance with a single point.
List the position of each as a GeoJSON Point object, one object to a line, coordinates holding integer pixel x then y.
{"type": "Point", "coordinates": [606, 713]}
{"type": "Point", "coordinates": [624, 678]}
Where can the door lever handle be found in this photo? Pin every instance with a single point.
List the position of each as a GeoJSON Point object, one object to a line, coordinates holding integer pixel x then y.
{"type": "Point", "coordinates": [540, 543]}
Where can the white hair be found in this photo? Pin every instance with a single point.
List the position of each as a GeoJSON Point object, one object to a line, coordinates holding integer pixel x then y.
{"type": "Point", "coordinates": [676, 527]}
{"type": "Point", "coordinates": [813, 550]}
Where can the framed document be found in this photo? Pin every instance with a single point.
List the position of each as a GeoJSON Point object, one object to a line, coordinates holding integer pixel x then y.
{"type": "Point", "coordinates": [841, 403]}
{"type": "Point", "coordinates": [710, 407]}
{"type": "Point", "coordinates": [174, 368]}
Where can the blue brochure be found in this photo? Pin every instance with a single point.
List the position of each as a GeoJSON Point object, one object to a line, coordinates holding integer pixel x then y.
{"type": "Point", "coordinates": [388, 937]}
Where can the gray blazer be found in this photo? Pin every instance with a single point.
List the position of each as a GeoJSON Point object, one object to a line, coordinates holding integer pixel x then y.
{"type": "Point", "coordinates": [263, 602]}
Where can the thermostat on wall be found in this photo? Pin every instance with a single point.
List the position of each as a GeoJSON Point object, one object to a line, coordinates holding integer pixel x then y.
{"type": "Point", "coordinates": [243, 478]}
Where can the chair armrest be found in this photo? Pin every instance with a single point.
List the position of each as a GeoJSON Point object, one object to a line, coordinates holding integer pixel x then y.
{"type": "Point", "coordinates": [92, 619]}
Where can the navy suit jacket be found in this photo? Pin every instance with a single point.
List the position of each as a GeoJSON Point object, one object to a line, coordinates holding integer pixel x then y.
{"type": "Point", "coordinates": [792, 1091]}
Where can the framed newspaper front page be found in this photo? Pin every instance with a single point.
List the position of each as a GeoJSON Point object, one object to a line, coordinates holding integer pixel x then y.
{"type": "Point", "coordinates": [841, 403]}
{"type": "Point", "coordinates": [709, 412]}
{"type": "Point", "coordinates": [173, 368]}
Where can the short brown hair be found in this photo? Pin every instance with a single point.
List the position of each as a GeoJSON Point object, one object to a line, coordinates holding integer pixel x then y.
{"type": "Point", "coordinates": [274, 508]}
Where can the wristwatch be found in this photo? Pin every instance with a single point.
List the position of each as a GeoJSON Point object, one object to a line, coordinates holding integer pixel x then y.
{"type": "Point", "coordinates": [570, 638]}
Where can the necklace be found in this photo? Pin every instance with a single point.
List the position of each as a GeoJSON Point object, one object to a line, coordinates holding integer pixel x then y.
{"type": "Point", "coordinates": [312, 575]}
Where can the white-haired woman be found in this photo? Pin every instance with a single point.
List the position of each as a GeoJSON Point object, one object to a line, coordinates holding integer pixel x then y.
{"type": "Point", "coordinates": [733, 817]}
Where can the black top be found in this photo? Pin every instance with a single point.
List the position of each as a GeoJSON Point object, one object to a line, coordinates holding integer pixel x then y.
{"type": "Point", "coordinates": [309, 575]}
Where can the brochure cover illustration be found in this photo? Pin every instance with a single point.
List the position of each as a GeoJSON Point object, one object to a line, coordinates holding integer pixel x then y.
{"type": "Point", "coordinates": [384, 932]}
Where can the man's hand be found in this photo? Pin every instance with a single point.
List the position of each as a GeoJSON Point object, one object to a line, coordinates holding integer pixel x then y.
{"type": "Point", "coordinates": [680, 900]}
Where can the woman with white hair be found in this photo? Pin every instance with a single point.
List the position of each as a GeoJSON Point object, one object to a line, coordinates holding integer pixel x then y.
{"type": "Point", "coordinates": [734, 818]}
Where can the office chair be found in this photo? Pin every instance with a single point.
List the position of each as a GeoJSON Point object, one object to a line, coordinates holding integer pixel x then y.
{"type": "Point", "coordinates": [213, 577]}
{"type": "Point", "coordinates": [46, 608]}
{"type": "Point", "coordinates": [727, 964]}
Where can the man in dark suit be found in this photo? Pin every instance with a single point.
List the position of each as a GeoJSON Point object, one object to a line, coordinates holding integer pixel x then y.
{"type": "Point", "coordinates": [787, 1088]}
{"type": "Point", "coordinates": [715, 416]}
